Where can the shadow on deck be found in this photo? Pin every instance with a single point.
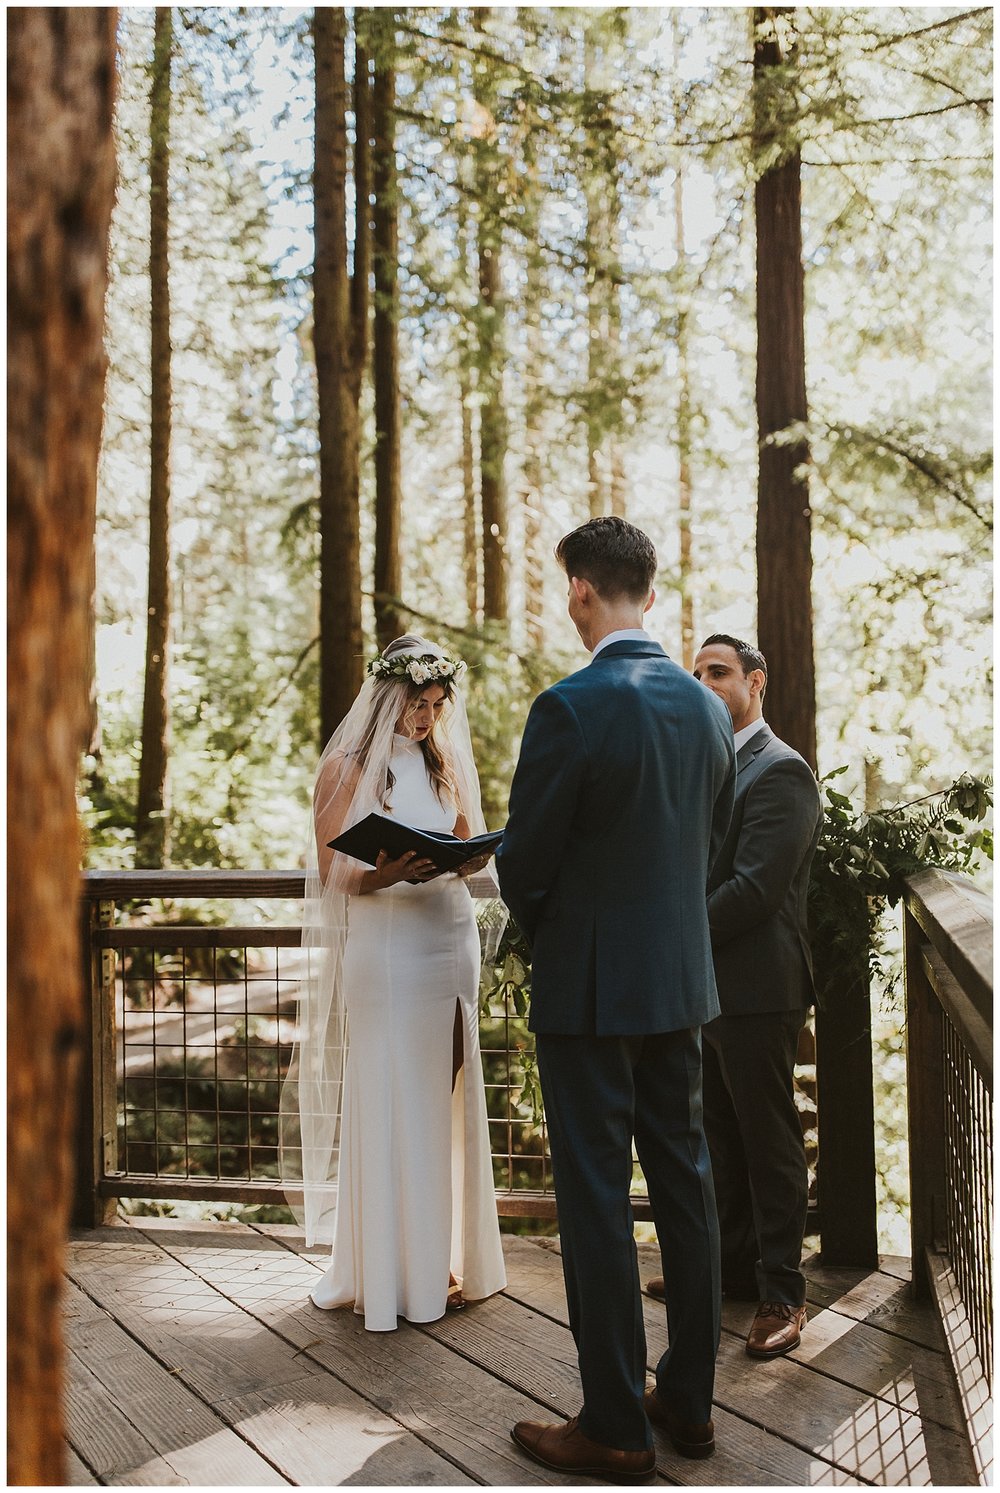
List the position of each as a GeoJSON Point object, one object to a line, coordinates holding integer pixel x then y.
{"type": "Point", "coordinates": [195, 1357]}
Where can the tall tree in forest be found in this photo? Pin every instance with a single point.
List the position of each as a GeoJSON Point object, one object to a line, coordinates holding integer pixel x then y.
{"type": "Point", "coordinates": [385, 366]}
{"type": "Point", "coordinates": [684, 414]}
{"type": "Point", "coordinates": [60, 189]}
{"type": "Point", "coordinates": [784, 553]}
{"type": "Point", "coordinates": [605, 464]}
{"type": "Point", "coordinates": [492, 408]}
{"type": "Point", "coordinates": [534, 388]}
{"type": "Point", "coordinates": [471, 518]}
{"type": "Point", "coordinates": [152, 828]}
{"type": "Point", "coordinates": [340, 336]}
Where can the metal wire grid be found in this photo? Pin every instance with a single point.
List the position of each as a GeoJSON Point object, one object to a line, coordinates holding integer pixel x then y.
{"type": "Point", "coordinates": [204, 1035]}
{"type": "Point", "coordinates": [969, 1174]}
{"type": "Point", "coordinates": [203, 1038]}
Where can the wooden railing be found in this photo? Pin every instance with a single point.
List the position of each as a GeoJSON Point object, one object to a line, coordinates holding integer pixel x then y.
{"type": "Point", "coordinates": [155, 1003]}
{"type": "Point", "coordinates": [948, 957]}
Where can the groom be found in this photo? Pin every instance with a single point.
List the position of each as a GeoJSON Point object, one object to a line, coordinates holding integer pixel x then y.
{"type": "Point", "coordinates": [621, 798]}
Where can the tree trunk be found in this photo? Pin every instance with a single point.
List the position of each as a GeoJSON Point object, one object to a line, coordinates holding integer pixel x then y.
{"type": "Point", "coordinates": [340, 337]}
{"type": "Point", "coordinates": [685, 573]}
{"type": "Point", "coordinates": [60, 185]}
{"type": "Point", "coordinates": [388, 499]}
{"type": "Point", "coordinates": [784, 556]}
{"type": "Point", "coordinates": [605, 458]}
{"type": "Point", "coordinates": [492, 410]}
{"type": "Point", "coordinates": [470, 499]}
{"type": "Point", "coordinates": [152, 835]}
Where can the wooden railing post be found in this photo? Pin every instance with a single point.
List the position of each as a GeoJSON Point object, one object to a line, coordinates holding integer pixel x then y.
{"type": "Point", "coordinates": [96, 1149]}
{"type": "Point", "coordinates": [845, 1101]}
{"type": "Point", "coordinates": [925, 1104]}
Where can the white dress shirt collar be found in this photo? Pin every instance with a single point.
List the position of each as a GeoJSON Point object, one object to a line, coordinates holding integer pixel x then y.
{"type": "Point", "coordinates": [624, 635]}
{"type": "Point", "coordinates": [743, 736]}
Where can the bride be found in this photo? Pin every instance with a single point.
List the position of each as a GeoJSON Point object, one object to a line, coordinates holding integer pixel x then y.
{"type": "Point", "coordinates": [384, 1098]}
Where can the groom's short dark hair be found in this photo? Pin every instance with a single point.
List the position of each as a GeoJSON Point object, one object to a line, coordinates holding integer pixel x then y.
{"type": "Point", "coordinates": [614, 556]}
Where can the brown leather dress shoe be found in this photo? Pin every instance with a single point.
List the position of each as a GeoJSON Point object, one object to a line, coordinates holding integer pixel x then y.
{"type": "Point", "coordinates": [777, 1329]}
{"type": "Point", "coordinates": [657, 1288]}
{"type": "Point", "coordinates": [689, 1437]}
{"type": "Point", "coordinates": [565, 1448]}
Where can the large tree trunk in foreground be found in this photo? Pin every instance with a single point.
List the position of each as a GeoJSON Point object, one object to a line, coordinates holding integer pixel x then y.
{"type": "Point", "coordinates": [152, 828]}
{"type": "Point", "coordinates": [340, 338]}
{"type": "Point", "coordinates": [388, 433]}
{"type": "Point", "coordinates": [784, 555]}
{"type": "Point", "coordinates": [61, 65]}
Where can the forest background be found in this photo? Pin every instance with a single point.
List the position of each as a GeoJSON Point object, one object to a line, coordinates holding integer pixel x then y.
{"type": "Point", "coordinates": [563, 320]}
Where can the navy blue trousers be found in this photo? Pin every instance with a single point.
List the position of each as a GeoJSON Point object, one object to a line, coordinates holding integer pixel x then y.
{"type": "Point", "coordinates": [599, 1093]}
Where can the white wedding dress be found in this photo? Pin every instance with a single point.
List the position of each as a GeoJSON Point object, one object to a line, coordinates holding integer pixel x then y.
{"type": "Point", "coordinates": [416, 1196]}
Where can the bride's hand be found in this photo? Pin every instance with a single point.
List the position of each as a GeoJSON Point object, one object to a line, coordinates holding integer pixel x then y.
{"type": "Point", "coordinates": [470, 868]}
{"type": "Point", "coordinates": [409, 867]}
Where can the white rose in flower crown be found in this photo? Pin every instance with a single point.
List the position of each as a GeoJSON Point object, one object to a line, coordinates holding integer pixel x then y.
{"type": "Point", "coordinates": [419, 673]}
{"type": "Point", "coordinates": [446, 668]}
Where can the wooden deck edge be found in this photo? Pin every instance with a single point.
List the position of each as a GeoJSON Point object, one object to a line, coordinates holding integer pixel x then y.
{"type": "Point", "coordinates": [970, 1376]}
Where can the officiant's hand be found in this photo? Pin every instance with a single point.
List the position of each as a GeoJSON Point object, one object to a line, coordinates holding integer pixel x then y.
{"type": "Point", "coordinates": [410, 866]}
{"type": "Point", "coordinates": [470, 868]}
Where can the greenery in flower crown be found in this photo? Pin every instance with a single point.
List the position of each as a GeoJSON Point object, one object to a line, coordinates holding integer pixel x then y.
{"type": "Point", "coordinates": [419, 668]}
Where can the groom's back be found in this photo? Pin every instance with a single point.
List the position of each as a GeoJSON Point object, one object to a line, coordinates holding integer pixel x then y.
{"type": "Point", "coordinates": [622, 943]}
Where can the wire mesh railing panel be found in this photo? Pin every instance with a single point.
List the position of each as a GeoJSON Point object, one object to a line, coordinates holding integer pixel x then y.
{"type": "Point", "coordinates": [203, 1040]}
{"type": "Point", "coordinates": [204, 1025]}
{"type": "Point", "coordinates": [969, 1186]}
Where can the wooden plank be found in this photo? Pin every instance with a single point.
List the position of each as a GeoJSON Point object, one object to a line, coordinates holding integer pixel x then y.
{"type": "Point", "coordinates": [973, 1385]}
{"type": "Point", "coordinates": [133, 1421]}
{"type": "Point", "coordinates": [904, 1373]}
{"type": "Point", "coordinates": [78, 1474]}
{"type": "Point", "coordinates": [865, 1435]}
{"type": "Point", "coordinates": [308, 1425]}
{"type": "Point", "coordinates": [452, 1406]}
{"type": "Point", "coordinates": [957, 918]}
{"type": "Point", "coordinates": [529, 1349]}
{"type": "Point", "coordinates": [182, 936]}
{"type": "Point", "coordinates": [881, 1301]}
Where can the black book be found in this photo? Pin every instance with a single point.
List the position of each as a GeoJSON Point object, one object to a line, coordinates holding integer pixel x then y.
{"type": "Point", "coordinates": [364, 840]}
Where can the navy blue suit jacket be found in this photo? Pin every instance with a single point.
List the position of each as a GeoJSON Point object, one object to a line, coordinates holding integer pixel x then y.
{"type": "Point", "coordinates": [619, 804]}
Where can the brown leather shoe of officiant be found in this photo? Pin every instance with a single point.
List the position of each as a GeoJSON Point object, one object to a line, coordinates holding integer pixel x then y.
{"type": "Point", "coordinates": [564, 1448]}
{"type": "Point", "coordinates": [689, 1437]}
{"type": "Point", "coordinates": [777, 1329]}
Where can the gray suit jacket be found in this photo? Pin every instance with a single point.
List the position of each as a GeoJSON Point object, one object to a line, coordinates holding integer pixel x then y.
{"type": "Point", "coordinates": [758, 886]}
{"type": "Point", "coordinates": [619, 804]}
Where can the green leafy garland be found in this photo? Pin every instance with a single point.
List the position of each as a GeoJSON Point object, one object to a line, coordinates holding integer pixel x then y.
{"type": "Point", "coordinates": [858, 872]}
{"type": "Point", "coordinates": [860, 865]}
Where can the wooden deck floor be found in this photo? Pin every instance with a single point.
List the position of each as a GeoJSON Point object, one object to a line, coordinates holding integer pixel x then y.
{"type": "Point", "coordinates": [196, 1358]}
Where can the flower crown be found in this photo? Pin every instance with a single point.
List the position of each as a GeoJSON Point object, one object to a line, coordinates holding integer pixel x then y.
{"type": "Point", "coordinates": [417, 668]}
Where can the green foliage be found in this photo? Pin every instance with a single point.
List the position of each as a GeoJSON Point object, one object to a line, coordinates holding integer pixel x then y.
{"type": "Point", "coordinates": [859, 869]}
{"type": "Point", "coordinates": [860, 866]}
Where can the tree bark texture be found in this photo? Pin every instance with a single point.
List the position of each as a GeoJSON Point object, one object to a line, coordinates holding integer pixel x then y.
{"type": "Point", "coordinates": [152, 828]}
{"type": "Point", "coordinates": [339, 335]}
{"type": "Point", "coordinates": [784, 555]}
{"type": "Point", "coordinates": [604, 421]}
{"type": "Point", "coordinates": [685, 573]}
{"type": "Point", "coordinates": [60, 184]}
{"type": "Point", "coordinates": [492, 409]}
{"type": "Point", "coordinates": [388, 431]}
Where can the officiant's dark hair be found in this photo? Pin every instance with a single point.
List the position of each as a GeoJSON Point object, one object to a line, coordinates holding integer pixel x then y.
{"type": "Point", "coordinates": [750, 657]}
{"type": "Point", "coordinates": [614, 556]}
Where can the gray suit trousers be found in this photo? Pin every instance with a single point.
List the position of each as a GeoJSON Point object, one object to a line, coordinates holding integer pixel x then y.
{"type": "Point", "coordinates": [758, 1156]}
